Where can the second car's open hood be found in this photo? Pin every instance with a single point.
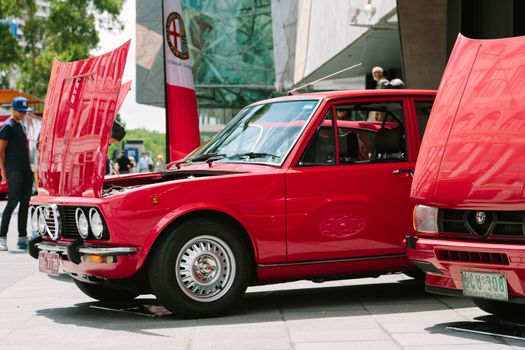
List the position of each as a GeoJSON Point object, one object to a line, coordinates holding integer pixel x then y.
{"type": "Point", "coordinates": [81, 105]}
{"type": "Point", "coordinates": [473, 152]}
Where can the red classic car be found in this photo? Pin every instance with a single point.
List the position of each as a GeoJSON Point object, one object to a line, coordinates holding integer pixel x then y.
{"type": "Point", "coordinates": [313, 186]}
{"type": "Point", "coordinates": [469, 179]}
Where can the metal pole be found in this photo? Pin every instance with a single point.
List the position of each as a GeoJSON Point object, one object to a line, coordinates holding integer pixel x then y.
{"type": "Point", "coordinates": [165, 84]}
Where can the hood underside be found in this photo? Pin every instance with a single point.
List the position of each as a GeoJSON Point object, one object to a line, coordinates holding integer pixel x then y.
{"type": "Point", "coordinates": [474, 146]}
{"type": "Point", "coordinates": [82, 101]}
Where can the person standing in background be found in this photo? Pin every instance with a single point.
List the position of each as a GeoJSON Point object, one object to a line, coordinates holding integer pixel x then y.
{"type": "Point", "coordinates": [133, 166]}
{"type": "Point", "coordinates": [160, 165]}
{"type": "Point", "coordinates": [145, 163]}
{"type": "Point", "coordinates": [117, 134]}
{"type": "Point", "coordinates": [123, 164]}
{"type": "Point", "coordinates": [379, 77]}
{"type": "Point", "coordinates": [15, 168]}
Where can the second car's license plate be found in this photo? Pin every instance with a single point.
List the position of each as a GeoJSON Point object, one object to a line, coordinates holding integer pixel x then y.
{"type": "Point", "coordinates": [48, 263]}
{"type": "Point", "coordinates": [485, 285]}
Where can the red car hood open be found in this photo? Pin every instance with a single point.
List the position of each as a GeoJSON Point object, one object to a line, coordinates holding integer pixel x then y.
{"type": "Point", "coordinates": [473, 152]}
{"type": "Point", "coordinates": [82, 101]}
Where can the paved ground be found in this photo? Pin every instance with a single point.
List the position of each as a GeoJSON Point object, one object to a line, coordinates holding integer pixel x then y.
{"type": "Point", "coordinates": [391, 312]}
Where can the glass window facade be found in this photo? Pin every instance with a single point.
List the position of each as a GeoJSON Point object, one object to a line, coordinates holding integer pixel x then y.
{"type": "Point", "coordinates": [231, 47]}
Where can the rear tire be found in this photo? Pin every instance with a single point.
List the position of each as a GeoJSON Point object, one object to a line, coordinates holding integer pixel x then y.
{"type": "Point", "coordinates": [104, 293]}
{"type": "Point", "coordinates": [200, 269]}
{"type": "Point", "coordinates": [501, 309]}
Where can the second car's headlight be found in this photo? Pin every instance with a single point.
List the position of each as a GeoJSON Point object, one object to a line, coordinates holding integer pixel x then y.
{"type": "Point", "coordinates": [96, 224]}
{"type": "Point", "coordinates": [82, 223]}
{"type": "Point", "coordinates": [426, 219]}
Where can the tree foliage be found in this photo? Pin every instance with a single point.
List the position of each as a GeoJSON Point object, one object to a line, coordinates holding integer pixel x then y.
{"type": "Point", "coordinates": [68, 34]}
{"type": "Point", "coordinates": [154, 142]}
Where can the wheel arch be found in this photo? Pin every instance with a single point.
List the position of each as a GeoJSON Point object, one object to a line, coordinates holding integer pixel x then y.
{"type": "Point", "coordinates": [213, 214]}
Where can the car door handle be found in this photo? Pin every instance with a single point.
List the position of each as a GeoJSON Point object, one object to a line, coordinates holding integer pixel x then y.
{"type": "Point", "coordinates": [400, 171]}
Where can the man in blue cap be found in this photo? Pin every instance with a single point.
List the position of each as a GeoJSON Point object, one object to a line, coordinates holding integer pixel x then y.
{"type": "Point", "coordinates": [16, 170]}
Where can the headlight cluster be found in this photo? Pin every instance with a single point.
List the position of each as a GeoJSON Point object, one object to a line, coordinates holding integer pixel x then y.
{"type": "Point", "coordinates": [426, 219]}
{"type": "Point", "coordinates": [67, 220]}
{"type": "Point", "coordinates": [89, 221]}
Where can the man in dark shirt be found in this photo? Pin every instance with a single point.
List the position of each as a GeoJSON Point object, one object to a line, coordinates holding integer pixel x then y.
{"type": "Point", "coordinates": [123, 164]}
{"type": "Point", "coordinates": [16, 170]}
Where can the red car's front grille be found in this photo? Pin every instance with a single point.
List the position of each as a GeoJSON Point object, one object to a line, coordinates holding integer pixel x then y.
{"type": "Point", "coordinates": [69, 225]}
{"type": "Point", "coordinates": [475, 257]}
{"type": "Point", "coordinates": [496, 225]}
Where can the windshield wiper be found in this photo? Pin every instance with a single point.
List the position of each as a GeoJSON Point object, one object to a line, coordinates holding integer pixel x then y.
{"type": "Point", "coordinates": [252, 155]}
{"type": "Point", "coordinates": [207, 156]}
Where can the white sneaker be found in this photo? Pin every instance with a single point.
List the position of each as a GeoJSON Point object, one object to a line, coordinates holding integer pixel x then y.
{"type": "Point", "coordinates": [3, 244]}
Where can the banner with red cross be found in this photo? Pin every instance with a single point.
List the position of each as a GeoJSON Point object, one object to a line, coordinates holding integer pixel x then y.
{"type": "Point", "coordinates": [182, 123]}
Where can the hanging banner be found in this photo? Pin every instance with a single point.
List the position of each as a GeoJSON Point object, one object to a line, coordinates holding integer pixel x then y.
{"type": "Point", "coordinates": [182, 119]}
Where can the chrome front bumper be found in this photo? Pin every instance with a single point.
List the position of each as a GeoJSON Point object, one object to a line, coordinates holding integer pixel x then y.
{"type": "Point", "coordinates": [61, 248]}
{"type": "Point", "coordinates": [76, 249]}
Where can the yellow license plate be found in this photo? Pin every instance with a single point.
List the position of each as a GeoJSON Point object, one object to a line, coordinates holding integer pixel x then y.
{"type": "Point", "coordinates": [485, 285]}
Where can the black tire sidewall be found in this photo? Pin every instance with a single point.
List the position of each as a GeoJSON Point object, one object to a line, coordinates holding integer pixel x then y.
{"type": "Point", "coordinates": [162, 269]}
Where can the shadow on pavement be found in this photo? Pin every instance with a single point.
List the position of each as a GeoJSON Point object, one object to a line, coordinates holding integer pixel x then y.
{"type": "Point", "coordinates": [257, 307]}
{"type": "Point", "coordinates": [485, 325]}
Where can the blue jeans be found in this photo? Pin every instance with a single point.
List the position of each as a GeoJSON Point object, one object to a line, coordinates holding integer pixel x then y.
{"type": "Point", "coordinates": [20, 186]}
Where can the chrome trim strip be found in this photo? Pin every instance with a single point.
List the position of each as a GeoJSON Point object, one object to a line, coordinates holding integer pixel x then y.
{"type": "Point", "coordinates": [364, 258]}
{"type": "Point", "coordinates": [110, 251]}
{"type": "Point", "coordinates": [61, 248]}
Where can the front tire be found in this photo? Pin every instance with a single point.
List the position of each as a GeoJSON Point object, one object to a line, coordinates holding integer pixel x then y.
{"type": "Point", "coordinates": [102, 293]}
{"type": "Point", "coordinates": [501, 309]}
{"type": "Point", "coordinates": [201, 269]}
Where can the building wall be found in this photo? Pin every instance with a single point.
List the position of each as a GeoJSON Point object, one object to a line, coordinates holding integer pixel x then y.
{"type": "Point", "coordinates": [422, 27]}
{"type": "Point", "coordinates": [326, 28]}
{"type": "Point", "coordinates": [284, 28]}
{"type": "Point", "coordinates": [429, 30]}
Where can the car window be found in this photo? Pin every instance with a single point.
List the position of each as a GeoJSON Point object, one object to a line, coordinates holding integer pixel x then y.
{"type": "Point", "coordinates": [371, 132]}
{"type": "Point", "coordinates": [263, 133]}
{"type": "Point", "coordinates": [423, 113]}
{"type": "Point", "coordinates": [321, 149]}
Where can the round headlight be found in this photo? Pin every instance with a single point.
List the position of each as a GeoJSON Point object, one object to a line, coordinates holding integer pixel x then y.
{"type": "Point", "coordinates": [34, 218]}
{"type": "Point", "coordinates": [41, 225]}
{"type": "Point", "coordinates": [95, 221]}
{"type": "Point", "coordinates": [82, 223]}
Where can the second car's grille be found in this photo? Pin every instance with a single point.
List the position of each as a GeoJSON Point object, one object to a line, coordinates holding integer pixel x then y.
{"type": "Point", "coordinates": [484, 224]}
{"type": "Point", "coordinates": [50, 215]}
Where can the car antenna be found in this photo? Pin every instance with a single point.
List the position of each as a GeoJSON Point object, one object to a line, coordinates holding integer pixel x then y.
{"type": "Point", "coordinates": [291, 92]}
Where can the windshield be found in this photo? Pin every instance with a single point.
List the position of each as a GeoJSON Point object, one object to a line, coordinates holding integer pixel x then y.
{"type": "Point", "coordinates": [260, 134]}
